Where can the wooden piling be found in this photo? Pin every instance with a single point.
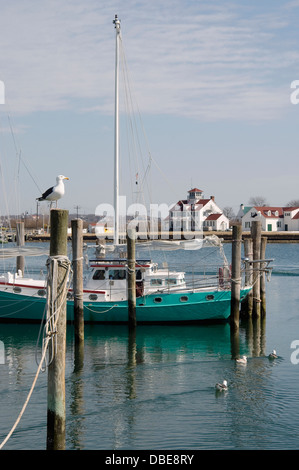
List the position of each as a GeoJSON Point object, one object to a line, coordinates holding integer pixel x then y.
{"type": "Point", "coordinates": [56, 369]}
{"type": "Point", "coordinates": [77, 246]}
{"type": "Point", "coordinates": [131, 282]}
{"type": "Point", "coordinates": [256, 230]}
{"type": "Point", "coordinates": [236, 276]}
{"type": "Point", "coordinates": [248, 253]}
{"type": "Point", "coordinates": [20, 238]}
{"type": "Point", "coordinates": [263, 276]}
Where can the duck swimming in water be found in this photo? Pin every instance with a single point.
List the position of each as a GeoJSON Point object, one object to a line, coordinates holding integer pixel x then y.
{"type": "Point", "coordinates": [221, 387]}
{"type": "Point", "coordinates": [242, 360]}
{"type": "Point", "coordinates": [273, 355]}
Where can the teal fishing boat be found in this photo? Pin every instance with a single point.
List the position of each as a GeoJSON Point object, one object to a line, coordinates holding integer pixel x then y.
{"type": "Point", "coordinates": [162, 295]}
{"type": "Point", "coordinates": [175, 308]}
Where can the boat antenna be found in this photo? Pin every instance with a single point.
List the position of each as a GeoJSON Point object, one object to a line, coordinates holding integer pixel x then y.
{"type": "Point", "coordinates": [116, 22]}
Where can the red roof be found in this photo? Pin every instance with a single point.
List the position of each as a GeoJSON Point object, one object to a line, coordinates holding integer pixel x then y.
{"type": "Point", "coordinates": [178, 205]}
{"type": "Point", "coordinates": [296, 216]}
{"type": "Point", "coordinates": [286, 209]}
{"type": "Point", "coordinates": [183, 202]}
{"type": "Point", "coordinates": [203, 202]}
{"type": "Point", "coordinates": [265, 209]}
{"type": "Point", "coordinates": [213, 216]}
{"type": "Point", "coordinates": [195, 190]}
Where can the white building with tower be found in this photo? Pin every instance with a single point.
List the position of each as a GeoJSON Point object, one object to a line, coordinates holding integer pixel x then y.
{"type": "Point", "coordinates": [196, 214]}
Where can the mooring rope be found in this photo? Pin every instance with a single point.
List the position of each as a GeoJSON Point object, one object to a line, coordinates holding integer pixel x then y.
{"type": "Point", "coordinates": [50, 333]}
{"type": "Point", "coordinates": [53, 263]}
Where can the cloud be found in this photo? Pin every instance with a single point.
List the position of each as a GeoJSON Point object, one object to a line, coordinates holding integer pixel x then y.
{"type": "Point", "coordinates": [218, 61]}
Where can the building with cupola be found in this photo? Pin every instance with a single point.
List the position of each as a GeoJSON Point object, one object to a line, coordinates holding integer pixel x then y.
{"type": "Point", "coordinates": [196, 213]}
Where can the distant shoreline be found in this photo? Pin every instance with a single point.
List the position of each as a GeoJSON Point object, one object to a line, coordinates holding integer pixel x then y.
{"type": "Point", "coordinates": [272, 237]}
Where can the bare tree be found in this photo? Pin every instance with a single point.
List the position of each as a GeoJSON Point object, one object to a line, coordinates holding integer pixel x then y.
{"type": "Point", "coordinates": [258, 201]}
{"type": "Point", "coordinates": [293, 203]}
{"type": "Point", "coordinates": [229, 212]}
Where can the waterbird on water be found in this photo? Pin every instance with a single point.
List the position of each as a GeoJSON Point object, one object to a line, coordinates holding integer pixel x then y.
{"type": "Point", "coordinates": [273, 355]}
{"type": "Point", "coordinates": [242, 360]}
{"type": "Point", "coordinates": [55, 192]}
{"type": "Point", "coordinates": [221, 387]}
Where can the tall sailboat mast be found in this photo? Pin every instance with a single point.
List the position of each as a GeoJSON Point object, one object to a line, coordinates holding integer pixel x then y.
{"type": "Point", "coordinates": [116, 22]}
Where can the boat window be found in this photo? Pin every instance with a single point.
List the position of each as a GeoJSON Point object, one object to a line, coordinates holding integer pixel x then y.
{"type": "Point", "coordinates": [138, 275]}
{"type": "Point", "coordinates": [17, 289]}
{"type": "Point", "coordinates": [93, 297]}
{"type": "Point", "coordinates": [158, 300]}
{"type": "Point", "coordinates": [171, 282]}
{"type": "Point", "coordinates": [99, 274]}
{"type": "Point", "coordinates": [184, 298]}
{"type": "Point", "coordinates": [210, 297]}
{"type": "Point", "coordinates": [116, 274]}
{"type": "Point", "coordinates": [41, 292]}
{"type": "Point", "coordinates": [156, 282]}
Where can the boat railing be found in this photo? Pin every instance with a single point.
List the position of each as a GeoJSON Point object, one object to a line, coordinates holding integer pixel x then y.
{"type": "Point", "coordinates": [256, 268]}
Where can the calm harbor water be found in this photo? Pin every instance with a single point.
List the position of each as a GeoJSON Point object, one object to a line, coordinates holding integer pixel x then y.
{"type": "Point", "coordinates": [156, 389]}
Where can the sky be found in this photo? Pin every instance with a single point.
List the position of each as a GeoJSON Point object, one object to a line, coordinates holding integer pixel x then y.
{"type": "Point", "coordinates": [211, 81]}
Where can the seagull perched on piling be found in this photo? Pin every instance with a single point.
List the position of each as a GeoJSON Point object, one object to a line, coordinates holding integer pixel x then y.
{"type": "Point", "coordinates": [222, 387]}
{"type": "Point", "coordinates": [55, 192]}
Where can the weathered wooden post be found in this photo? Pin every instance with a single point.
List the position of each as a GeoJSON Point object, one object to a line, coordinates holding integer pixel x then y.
{"type": "Point", "coordinates": [131, 237]}
{"type": "Point", "coordinates": [263, 276]}
{"type": "Point", "coordinates": [236, 276]}
{"type": "Point", "coordinates": [77, 246]}
{"type": "Point", "coordinates": [56, 369]}
{"type": "Point", "coordinates": [247, 303]}
{"type": "Point", "coordinates": [20, 238]}
{"type": "Point", "coordinates": [256, 231]}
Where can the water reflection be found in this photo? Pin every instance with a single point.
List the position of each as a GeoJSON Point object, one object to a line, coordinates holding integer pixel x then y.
{"type": "Point", "coordinates": [255, 335]}
{"type": "Point", "coordinates": [132, 361]}
{"type": "Point", "coordinates": [120, 382]}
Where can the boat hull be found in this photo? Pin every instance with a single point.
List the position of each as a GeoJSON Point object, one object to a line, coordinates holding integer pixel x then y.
{"type": "Point", "coordinates": [208, 306]}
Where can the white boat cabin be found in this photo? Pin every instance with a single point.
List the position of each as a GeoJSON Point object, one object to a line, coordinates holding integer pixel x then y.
{"type": "Point", "coordinates": [109, 277]}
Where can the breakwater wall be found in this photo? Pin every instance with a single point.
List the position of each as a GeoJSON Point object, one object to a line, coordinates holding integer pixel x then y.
{"type": "Point", "coordinates": [272, 237]}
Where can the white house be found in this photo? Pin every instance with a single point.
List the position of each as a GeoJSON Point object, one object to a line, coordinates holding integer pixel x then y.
{"type": "Point", "coordinates": [216, 222]}
{"type": "Point", "coordinates": [274, 219]}
{"type": "Point", "coordinates": [291, 219]}
{"type": "Point", "coordinates": [196, 214]}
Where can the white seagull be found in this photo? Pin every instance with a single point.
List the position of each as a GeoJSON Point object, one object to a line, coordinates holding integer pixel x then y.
{"type": "Point", "coordinates": [54, 193]}
{"type": "Point", "coordinates": [242, 360]}
{"type": "Point", "coordinates": [273, 355]}
{"type": "Point", "coordinates": [222, 387]}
